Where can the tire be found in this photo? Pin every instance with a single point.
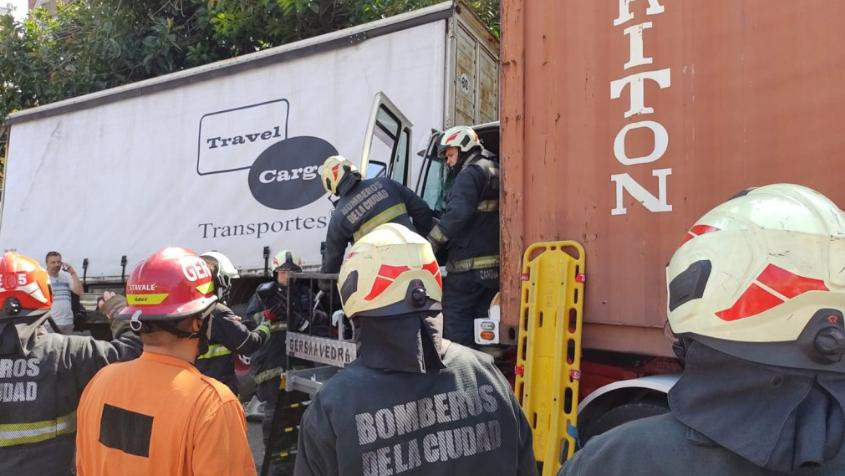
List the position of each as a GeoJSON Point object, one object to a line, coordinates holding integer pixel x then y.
{"type": "Point", "coordinates": [620, 415]}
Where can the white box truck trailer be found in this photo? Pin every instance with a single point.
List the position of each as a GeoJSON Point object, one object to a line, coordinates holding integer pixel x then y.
{"type": "Point", "coordinates": [224, 156]}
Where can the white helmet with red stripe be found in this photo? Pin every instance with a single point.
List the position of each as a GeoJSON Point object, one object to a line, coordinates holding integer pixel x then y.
{"type": "Point", "coordinates": [462, 137]}
{"type": "Point", "coordinates": [766, 267]}
{"type": "Point", "coordinates": [333, 170]}
{"type": "Point", "coordinates": [388, 272]}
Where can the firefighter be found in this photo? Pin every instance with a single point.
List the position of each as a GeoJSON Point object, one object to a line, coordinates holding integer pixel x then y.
{"type": "Point", "coordinates": [224, 272]}
{"type": "Point", "coordinates": [363, 205]}
{"type": "Point", "coordinates": [469, 230]}
{"type": "Point", "coordinates": [158, 414]}
{"type": "Point", "coordinates": [756, 295]}
{"type": "Point", "coordinates": [231, 335]}
{"type": "Point", "coordinates": [412, 402]}
{"type": "Point", "coordinates": [286, 305]}
{"type": "Point", "coordinates": [42, 374]}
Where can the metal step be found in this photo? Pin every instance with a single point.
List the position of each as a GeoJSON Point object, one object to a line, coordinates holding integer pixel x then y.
{"type": "Point", "coordinates": [309, 380]}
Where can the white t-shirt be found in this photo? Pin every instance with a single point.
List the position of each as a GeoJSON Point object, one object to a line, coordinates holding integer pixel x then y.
{"type": "Point", "coordinates": [61, 310]}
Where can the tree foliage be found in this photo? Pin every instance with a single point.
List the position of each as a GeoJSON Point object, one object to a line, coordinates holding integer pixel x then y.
{"type": "Point", "coordinates": [89, 45]}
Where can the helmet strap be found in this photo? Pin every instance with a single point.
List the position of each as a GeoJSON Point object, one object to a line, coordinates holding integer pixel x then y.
{"type": "Point", "coordinates": [168, 326]}
{"type": "Point", "coordinates": [173, 328]}
{"type": "Point", "coordinates": [135, 322]}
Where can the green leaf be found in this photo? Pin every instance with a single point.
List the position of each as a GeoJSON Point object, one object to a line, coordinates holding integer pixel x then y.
{"type": "Point", "coordinates": [89, 45]}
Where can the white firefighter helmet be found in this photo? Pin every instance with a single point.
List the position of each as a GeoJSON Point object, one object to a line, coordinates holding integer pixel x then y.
{"type": "Point", "coordinates": [286, 260]}
{"type": "Point", "coordinates": [759, 268]}
{"type": "Point", "coordinates": [390, 271]}
{"type": "Point", "coordinates": [224, 272]}
{"type": "Point", "coordinates": [225, 267]}
{"type": "Point", "coordinates": [462, 137]}
{"type": "Point", "coordinates": [333, 170]}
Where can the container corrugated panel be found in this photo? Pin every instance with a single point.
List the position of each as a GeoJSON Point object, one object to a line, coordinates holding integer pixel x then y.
{"type": "Point", "coordinates": [466, 76]}
{"type": "Point", "coordinates": [488, 87]}
{"type": "Point", "coordinates": [473, 77]}
{"type": "Point", "coordinates": [625, 121]}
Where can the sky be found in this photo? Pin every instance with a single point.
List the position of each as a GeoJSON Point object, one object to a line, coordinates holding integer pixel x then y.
{"type": "Point", "coordinates": [20, 7]}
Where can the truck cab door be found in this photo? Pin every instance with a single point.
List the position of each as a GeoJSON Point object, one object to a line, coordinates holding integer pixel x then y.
{"type": "Point", "coordinates": [387, 142]}
{"type": "Point", "coordinates": [431, 183]}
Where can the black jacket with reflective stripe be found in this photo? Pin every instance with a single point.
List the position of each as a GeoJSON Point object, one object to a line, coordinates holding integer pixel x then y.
{"type": "Point", "coordinates": [469, 226]}
{"type": "Point", "coordinates": [268, 361]}
{"type": "Point", "coordinates": [39, 393]}
{"type": "Point", "coordinates": [463, 419]}
{"type": "Point", "coordinates": [229, 336]}
{"type": "Point", "coordinates": [367, 204]}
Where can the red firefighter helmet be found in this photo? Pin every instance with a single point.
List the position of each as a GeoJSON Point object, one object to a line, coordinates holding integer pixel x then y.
{"type": "Point", "coordinates": [24, 288]}
{"type": "Point", "coordinates": [171, 284]}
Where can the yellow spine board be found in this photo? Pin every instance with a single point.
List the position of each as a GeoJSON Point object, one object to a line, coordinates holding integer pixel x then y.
{"type": "Point", "coordinates": [549, 347]}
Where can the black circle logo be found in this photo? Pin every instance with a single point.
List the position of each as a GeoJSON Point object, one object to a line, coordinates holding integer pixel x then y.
{"type": "Point", "coordinates": [285, 176]}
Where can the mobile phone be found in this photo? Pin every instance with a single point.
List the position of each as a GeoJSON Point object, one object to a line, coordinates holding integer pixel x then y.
{"type": "Point", "coordinates": [64, 266]}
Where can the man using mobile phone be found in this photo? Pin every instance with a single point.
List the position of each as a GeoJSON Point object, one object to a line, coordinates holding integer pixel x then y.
{"type": "Point", "coordinates": [63, 282]}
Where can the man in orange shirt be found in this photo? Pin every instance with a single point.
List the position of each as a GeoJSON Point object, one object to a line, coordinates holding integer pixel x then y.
{"type": "Point", "coordinates": [159, 414]}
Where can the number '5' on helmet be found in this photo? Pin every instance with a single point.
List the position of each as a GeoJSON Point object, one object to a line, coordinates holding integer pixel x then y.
{"type": "Point", "coordinates": [390, 271]}
{"type": "Point", "coordinates": [762, 277]}
{"type": "Point", "coordinates": [333, 170]}
{"type": "Point", "coordinates": [172, 284]}
{"type": "Point", "coordinates": [462, 137]}
{"type": "Point", "coordinates": [24, 286]}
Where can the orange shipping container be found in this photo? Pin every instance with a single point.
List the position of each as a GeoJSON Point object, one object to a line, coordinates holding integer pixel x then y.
{"type": "Point", "coordinates": [623, 121]}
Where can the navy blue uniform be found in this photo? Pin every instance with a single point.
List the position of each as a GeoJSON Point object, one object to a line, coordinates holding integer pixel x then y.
{"type": "Point", "coordinates": [366, 205]}
{"type": "Point", "coordinates": [42, 376]}
{"type": "Point", "coordinates": [469, 229]}
{"type": "Point", "coordinates": [463, 419]}
{"type": "Point", "coordinates": [268, 363]}
{"type": "Point", "coordinates": [663, 446]}
{"type": "Point", "coordinates": [229, 336]}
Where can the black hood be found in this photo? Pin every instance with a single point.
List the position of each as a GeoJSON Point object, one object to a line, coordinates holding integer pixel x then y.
{"type": "Point", "coordinates": [17, 335]}
{"type": "Point", "coordinates": [350, 180]}
{"type": "Point", "coordinates": [404, 343]}
{"type": "Point", "coordinates": [782, 419]}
